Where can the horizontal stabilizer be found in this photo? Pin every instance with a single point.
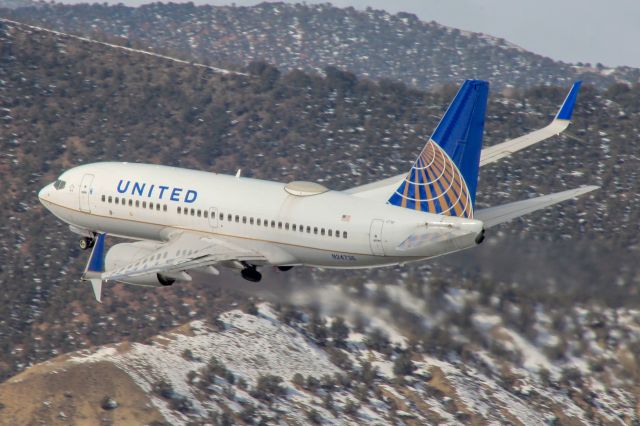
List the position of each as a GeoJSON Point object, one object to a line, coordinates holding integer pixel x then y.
{"type": "Point", "coordinates": [495, 215]}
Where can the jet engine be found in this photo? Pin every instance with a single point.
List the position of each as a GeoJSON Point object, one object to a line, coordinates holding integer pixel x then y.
{"type": "Point", "coordinates": [123, 254]}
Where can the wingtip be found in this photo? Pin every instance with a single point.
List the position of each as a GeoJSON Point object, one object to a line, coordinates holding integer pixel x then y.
{"type": "Point", "coordinates": [96, 285]}
{"type": "Point", "coordinates": [566, 110]}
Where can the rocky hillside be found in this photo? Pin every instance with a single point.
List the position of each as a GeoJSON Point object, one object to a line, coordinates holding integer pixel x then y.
{"type": "Point", "coordinates": [372, 43]}
{"type": "Point", "coordinates": [558, 289]}
{"type": "Point", "coordinates": [289, 367]}
{"type": "Point", "coordinates": [15, 4]}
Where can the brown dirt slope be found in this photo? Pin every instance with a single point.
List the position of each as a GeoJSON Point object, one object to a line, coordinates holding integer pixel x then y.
{"type": "Point", "coordinates": [62, 393]}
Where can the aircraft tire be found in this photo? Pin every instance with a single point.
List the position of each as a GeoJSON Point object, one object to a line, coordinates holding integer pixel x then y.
{"type": "Point", "coordinates": [86, 243]}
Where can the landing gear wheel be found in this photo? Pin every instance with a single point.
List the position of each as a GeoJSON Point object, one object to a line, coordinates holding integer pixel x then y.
{"type": "Point", "coordinates": [251, 274]}
{"type": "Point", "coordinates": [86, 243]}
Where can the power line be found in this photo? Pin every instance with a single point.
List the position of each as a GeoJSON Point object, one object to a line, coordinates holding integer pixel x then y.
{"type": "Point", "coordinates": [128, 49]}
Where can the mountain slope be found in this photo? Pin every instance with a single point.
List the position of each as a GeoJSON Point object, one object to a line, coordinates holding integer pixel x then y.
{"type": "Point", "coordinates": [65, 102]}
{"type": "Point", "coordinates": [201, 372]}
{"type": "Point", "coordinates": [372, 43]}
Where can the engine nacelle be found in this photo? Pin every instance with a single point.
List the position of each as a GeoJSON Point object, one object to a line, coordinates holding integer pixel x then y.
{"type": "Point", "coordinates": [123, 254]}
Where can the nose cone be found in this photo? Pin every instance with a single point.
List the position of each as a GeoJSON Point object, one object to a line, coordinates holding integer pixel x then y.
{"type": "Point", "coordinates": [44, 193]}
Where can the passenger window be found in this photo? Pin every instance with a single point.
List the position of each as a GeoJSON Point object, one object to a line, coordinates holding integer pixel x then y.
{"type": "Point", "coordinates": [179, 209]}
{"type": "Point", "coordinates": [199, 213]}
{"type": "Point", "coordinates": [337, 234]}
{"type": "Point", "coordinates": [221, 216]}
{"type": "Point", "coordinates": [273, 223]}
{"type": "Point", "coordinates": [185, 211]}
{"type": "Point", "coordinates": [110, 199]}
{"type": "Point", "coordinates": [151, 205]}
{"type": "Point", "coordinates": [193, 212]}
{"type": "Point", "coordinates": [158, 207]}
{"type": "Point", "coordinates": [144, 204]}
{"type": "Point", "coordinates": [258, 222]}
{"type": "Point", "coordinates": [266, 222]}
{"type": "Point", "coordinates": [130, 202]}
{"type": "Point", "coordinates": [237, 219]}
{"type": "Point", "coordinates": [250, 221]}
{"type": "Point", "coordinates": [244, 219]}
{"type": "Point", "coordinates": [286, 226]}
{"type": "Point", "coordinates": [206, 214]}
{"type": "Point", "coordinates": [293, 227]}
{"type": "Point", "coordinates": [124, 202]}
{"type": "Point", "coordinates": [279, 225]}
{"type": "Point", "coordinates": [329, 232]}
{"type": "Point", "coordinates": [308, 229]}
{"type": "Point", "coordinates": [164, 207]}
{"type": "Point", "coordinates": [301, 228]}
{"type": "Point", "coordinates": [229, 217]}
{"type": "Point", "coordinates": [344, 234]}
{"type": "Point", "coordinates": [137, 203]}
{"type": "Point", "coordinates": [103, 198]}
{"type": "Point", "coordinates": [315, 230]}
{"type": "Point", "coordinates": [117, 200]}
{"type": "Point", "coordinates": [322, 231]}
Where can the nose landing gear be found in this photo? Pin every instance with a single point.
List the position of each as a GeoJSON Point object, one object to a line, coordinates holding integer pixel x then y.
{"type": "Point", "coordinates": [86, 243]}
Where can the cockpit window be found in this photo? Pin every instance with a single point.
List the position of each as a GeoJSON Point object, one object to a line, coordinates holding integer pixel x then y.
{"type": "Point", "coordinates": [59, 184]}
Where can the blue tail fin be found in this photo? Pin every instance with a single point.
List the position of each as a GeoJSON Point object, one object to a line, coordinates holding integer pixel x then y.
{"type": "Point", "coordinates": [444, 178]}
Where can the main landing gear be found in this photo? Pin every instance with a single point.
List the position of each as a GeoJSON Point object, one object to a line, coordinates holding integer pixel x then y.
{"type": "Point", "coordinates": [86, 243]}
{"type": "Point", "coordinates": [250, 273]}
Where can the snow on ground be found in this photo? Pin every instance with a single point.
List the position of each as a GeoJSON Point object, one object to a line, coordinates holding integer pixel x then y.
{"type": "Point", "coordinates": [533, 359]}
{"type": "Point", "coordinates": [480, 394]}
{"type": "Point", "coordinates": [250, 346]}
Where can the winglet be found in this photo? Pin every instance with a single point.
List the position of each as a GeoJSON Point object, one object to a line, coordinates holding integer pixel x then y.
{"type": "Point", "coordinates": [96, 284]}
{"type": "Point", "coordinates": [96, 260]}
{"type": "Point", "coordinates": [566, 110]}
{"type": "Point", "coordinates": [95, 267]}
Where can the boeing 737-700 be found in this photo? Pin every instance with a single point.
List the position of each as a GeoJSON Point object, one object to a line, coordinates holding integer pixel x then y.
{"type": "Point", "coordinates": [183, 221]}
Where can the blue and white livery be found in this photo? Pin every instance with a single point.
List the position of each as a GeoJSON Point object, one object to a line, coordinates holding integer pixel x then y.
{"type": "Point", "coordinates": [179, 221]}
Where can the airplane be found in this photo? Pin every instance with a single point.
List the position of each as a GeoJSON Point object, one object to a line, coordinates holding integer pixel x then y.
{"type": "Point", "coordinates": [180, 221]}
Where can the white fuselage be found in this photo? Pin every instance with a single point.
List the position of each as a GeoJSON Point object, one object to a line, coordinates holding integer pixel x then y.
{"type": "Point", "coordinates": [328, 229]}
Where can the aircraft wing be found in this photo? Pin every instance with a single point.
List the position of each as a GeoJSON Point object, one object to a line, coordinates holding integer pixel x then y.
{"type": "Point", "coordinates": [182, 253]}
{"type": "Point", "coordinates": [493, 216]}
{"type": "Point", "coordinates": [383, 188]}
{"type": "Point", "coordinates": [557, 126]}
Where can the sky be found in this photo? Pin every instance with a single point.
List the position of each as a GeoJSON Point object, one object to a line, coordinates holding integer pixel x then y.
{"type": "Point", "coordinates": [605, 31]}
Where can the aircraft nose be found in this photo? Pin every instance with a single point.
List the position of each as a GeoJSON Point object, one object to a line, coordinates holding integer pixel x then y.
{"type": "Point", "coordinates": [43, 195]}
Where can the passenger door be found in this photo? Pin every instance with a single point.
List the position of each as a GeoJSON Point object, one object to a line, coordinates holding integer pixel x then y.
{"type": "Point", "coordinates": [375, 237]}
{"type": "Point", "coordinates": [85, 193]}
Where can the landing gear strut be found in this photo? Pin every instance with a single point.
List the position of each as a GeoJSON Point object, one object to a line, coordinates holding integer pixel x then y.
{"type": "Point", "coordinates": [86, 243]}
{"type": "Point", "coordinates": [250, 273]}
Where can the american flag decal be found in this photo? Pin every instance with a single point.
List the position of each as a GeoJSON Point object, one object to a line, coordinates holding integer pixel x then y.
{"type": "Point", "coordinates": [346, 218]}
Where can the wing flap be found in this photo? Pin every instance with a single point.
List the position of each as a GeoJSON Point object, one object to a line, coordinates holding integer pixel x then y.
{"type": "Point", "coordinates": [186, 251]}
{"type": "Point", "coordinates": [493, 216]}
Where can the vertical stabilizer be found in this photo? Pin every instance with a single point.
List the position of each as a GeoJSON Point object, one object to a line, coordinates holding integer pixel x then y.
{"type": "Point", "coordinates": [444, 178]}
